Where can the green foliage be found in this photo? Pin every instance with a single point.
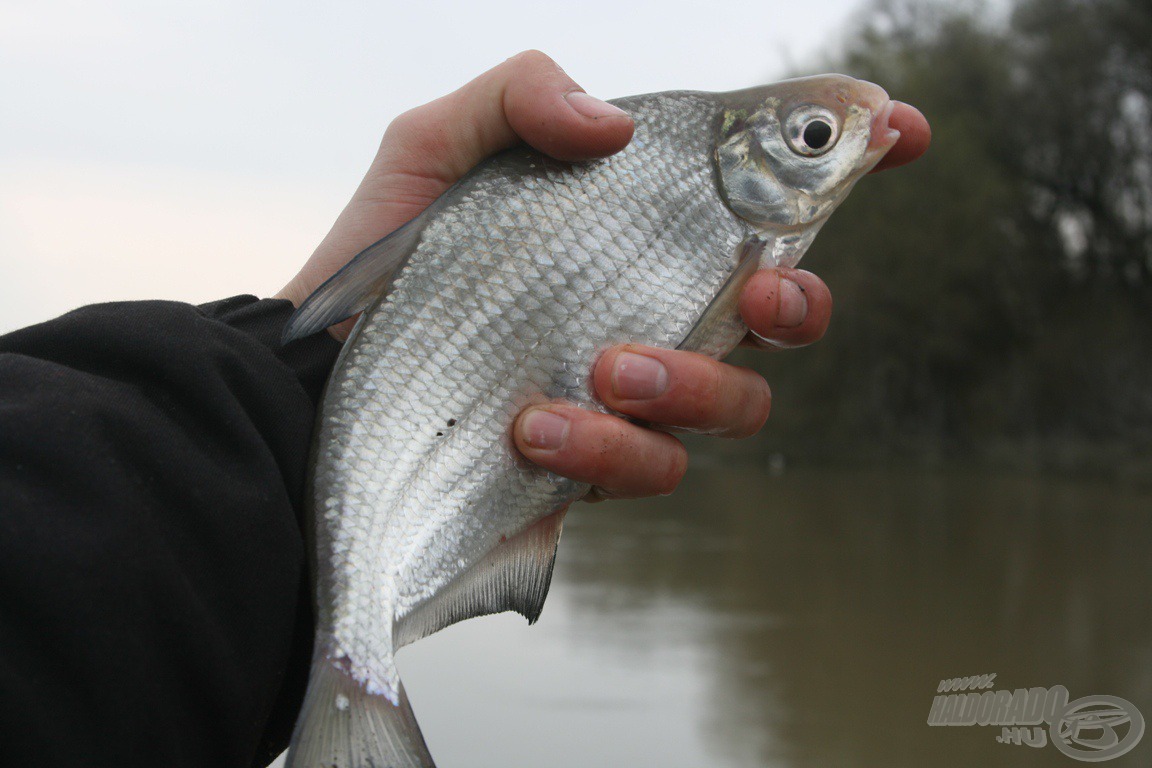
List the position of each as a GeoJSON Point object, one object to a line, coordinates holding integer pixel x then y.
{"type": "Point", "coordinates": [994, 298]}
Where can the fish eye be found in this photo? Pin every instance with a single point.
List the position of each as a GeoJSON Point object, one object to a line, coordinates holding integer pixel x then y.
{"type": "Point", "coordinates": [817, 133]}
{"type": "Point", "coordinates": [811, 131]}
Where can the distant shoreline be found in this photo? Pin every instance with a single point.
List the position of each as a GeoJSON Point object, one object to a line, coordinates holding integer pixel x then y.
{"type": "Point", "coordinates": [1066, 457]}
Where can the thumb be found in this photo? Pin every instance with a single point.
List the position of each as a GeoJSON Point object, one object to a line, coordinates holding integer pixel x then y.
{"type": "Point", "coordinates": [427, 149]}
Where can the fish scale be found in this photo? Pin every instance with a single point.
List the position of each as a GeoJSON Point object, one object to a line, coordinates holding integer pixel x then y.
{"type": "Point", "coordinates": [502, 295]}
{"type": "Point", "coordinates": [427, 372]}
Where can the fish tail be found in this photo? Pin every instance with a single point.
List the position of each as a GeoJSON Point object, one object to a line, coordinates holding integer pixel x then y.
{"type": "Point", "coordinates": [342, 725]}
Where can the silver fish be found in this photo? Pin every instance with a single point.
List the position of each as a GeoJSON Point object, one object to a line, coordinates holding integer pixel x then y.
{"type": "Point", "coordinates": [499, 296]}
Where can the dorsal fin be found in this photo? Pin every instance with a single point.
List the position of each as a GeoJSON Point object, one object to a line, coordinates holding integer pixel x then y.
{"type": "Point", "coordinates": [357, 284]}
{"type": "Point", "coordinates": [514, 576]}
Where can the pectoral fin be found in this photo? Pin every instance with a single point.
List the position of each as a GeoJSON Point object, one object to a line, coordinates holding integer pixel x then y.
{"type": "Point", "coordinates": [360, 282]}
{"type": "Point", "coordinates": [514, 576]}
{"type": "Point", "coordinates": [720, 327]}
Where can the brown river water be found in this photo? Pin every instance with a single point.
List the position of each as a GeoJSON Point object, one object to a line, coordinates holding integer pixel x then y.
{"type": "Point", "coordinates": [807, 619]}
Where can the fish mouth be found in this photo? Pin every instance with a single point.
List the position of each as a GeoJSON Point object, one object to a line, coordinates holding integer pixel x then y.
{"type": "Point", "coordinates": [882, 136]}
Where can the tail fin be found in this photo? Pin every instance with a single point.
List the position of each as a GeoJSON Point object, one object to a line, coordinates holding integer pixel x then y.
{"type": "Point", "coordinates": [343, 726]}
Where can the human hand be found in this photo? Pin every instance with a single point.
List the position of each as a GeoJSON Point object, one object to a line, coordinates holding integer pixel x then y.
{"type": "Point", "coordinates": [529, 98]}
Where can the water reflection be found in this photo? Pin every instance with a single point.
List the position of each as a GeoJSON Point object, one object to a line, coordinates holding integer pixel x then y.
{"type": "Point", "coordinates": [890, 582]}
{"type": "Point", "coordinates": [803, 621]}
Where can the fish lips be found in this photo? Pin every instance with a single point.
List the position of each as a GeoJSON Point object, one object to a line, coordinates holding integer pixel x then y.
{"type": "Point", "coordinates": [882, 136]}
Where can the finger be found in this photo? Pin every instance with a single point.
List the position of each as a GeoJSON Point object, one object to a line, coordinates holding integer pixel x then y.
{"type": "Point", "coordinates": [683, 389]}
{"type": "Point", "coordinates": [429, 148]}
{"type": "Point", "coordinates": [527, 98]}
{"type": "Point", "coordinates": [785, 308]}
{"type": "Point", "coordinates": [915, 136]}
{"type": "Point", "coordinates": [622, 458]}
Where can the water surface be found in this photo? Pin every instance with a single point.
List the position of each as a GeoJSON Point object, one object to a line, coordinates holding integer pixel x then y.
{"type": "Point", "coordinates": [803, 620]}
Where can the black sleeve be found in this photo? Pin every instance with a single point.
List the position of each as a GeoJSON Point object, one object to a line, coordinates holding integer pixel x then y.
{"type": "Point", "coordinates": [154, 609]}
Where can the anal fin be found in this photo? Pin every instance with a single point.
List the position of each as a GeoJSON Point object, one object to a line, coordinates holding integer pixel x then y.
{"type": "Point", "coordinates": [514, 576]}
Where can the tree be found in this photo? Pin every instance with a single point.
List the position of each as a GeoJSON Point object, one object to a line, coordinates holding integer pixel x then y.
{"type": "Point", "coordinates": [996, 297]}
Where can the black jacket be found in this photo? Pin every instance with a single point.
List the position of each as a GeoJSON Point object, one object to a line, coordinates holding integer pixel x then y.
{"type": "Point", "coordinates": [154, 607]}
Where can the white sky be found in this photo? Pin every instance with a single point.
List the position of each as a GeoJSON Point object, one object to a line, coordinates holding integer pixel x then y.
{"type": "Point", "coordinates": [199, 150]}
{"type": "Point", "coordinates": [195, 151]}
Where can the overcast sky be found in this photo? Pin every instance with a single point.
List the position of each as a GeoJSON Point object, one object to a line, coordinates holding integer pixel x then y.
{"type": "Point", "coordinates": [198, 150]}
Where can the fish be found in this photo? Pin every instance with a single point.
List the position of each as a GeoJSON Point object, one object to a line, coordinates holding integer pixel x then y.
{"type": "Point", "coordinates": [501, 295]}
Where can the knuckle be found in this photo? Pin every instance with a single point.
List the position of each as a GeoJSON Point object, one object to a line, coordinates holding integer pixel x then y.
{"type": "Point", "coordinates": [606, 448]}
{"type": "Point", "coordinates": [754, 408]}
{"type": "Point", "coordinates": [420, 146]}
{"type": "Point", "coordinates": [532, 59]}
{"type": "Point", "coordinates": [765, 401]}
{"type": "Point", "coordinates": [631, 461]}
{"type": "Point", "coordinates": [706, 386]}
{"type": "Point", "coordinates": [407, 126]}
{"type": "Point", "coordinates": [673, 472]}
{"type": "Point", "coordinates": [703, 399]}
{"type": "Point", "coordinates": [405, 120]}
{"type": "Point", "coordinates": [712, 381]}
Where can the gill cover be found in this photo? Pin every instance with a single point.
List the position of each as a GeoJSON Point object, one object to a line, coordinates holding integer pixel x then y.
{"type": "Point", "coordinates": [789, 153]}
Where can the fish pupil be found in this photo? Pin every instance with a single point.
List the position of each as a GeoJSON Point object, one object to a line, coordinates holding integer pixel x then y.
{"type": "Point", "coordinates": [817, 134]}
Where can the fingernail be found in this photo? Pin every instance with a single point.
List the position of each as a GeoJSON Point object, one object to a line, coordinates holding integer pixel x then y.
{"type": "Point", "coordinates": [638, 377]}
{"type": "Point", "coordinates": [774, 343]}
{"type": "Point", "coordinates": [591, 107]}
{"type": "Point", "coordinates": [793, 305]}
{"type": "Point", "coordinates": [544, 430]}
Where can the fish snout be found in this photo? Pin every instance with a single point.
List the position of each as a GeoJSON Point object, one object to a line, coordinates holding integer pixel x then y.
{"type": "Point", "coordinates": [883, 136]}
